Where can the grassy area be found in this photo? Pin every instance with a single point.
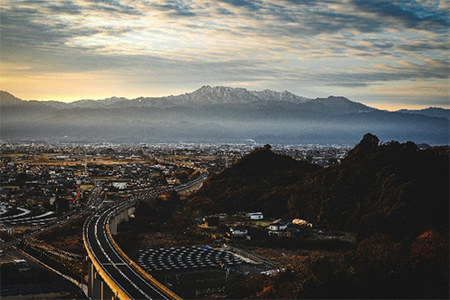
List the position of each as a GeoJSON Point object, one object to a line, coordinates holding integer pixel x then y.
{"type": "Point", "coordinates": [68, 237]}
{"type": "Point", "coordinates": [262, 223]}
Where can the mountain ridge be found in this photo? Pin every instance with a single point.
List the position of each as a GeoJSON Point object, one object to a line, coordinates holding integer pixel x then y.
{"type": "Point", "coordinates": [205, 95]}
{"type": "Point", "coordinates": [214, 114]}
{"type": "Point", "coordinates": [430, 112]}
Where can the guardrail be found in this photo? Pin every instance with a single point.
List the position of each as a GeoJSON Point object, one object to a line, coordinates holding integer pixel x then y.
{"type": "Point", "coordinates": [132, 200]}
{"type": "Point", "coordinates": [113, 285]}
{"type": "Point", "coordinates": [74, 281]}
{"type": "Point", "coordinates": [108, 280]}
{"type": "Point", "coordinates": [138, 269]}
{"type": "Point", "coordinates": [53, 224]}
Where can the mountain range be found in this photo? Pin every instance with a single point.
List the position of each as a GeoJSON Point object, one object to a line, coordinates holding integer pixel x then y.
{"type": "Point", "coordinates": [216, 114]}
{"type": "Point", "coordinates": [431, 112]}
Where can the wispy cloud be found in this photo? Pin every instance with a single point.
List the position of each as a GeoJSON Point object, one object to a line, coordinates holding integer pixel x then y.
{"type": "Point", "coordinates": [349, 46]}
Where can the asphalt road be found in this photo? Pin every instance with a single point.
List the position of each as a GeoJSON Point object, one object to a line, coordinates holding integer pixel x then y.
{"type": "Point", "coordinates": [123, 274]}
{"type": "Point", "coordinates": [93, 200]}
{"type": "Point", "coordinates": [113, 264]}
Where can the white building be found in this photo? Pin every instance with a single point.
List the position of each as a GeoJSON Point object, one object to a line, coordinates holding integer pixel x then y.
{"type": "Point", "coordinates": [120, 185]}
{"type": "Point", "coordinates": [256, 216]}
{"type": "Point", "coordinates": [239, 231]}
{"type": "Point", "coordinates": [277, 227]}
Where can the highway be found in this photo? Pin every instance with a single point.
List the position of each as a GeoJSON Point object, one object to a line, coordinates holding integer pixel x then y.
{"type": "Point", "coordinates": [124, 276]}
{"type": "Point", "coordinates": [92, 201]}
{"type": "Point", "coordinates": [120, 275]}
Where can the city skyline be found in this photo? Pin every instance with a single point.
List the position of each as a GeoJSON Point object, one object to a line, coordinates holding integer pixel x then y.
{"type": "Point", "coordinates": [385, 54]}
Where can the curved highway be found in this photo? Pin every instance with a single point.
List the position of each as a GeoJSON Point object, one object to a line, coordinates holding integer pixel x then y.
{"type": "Point", "coordinates": [124, 277]}
{"type": "Point", "coordinates": [92, 201]}
{"type": "Point", "coordinates": [117, 271]}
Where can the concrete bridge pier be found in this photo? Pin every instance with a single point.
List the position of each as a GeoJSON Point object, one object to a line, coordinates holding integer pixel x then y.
{"type": "Point", "coordinates": [97, 288]}
{"type": "Point", "coordinates": [126, 215]}
{"type": "Point", "coordinates": [122, 216]}
{"type": "Point", "coordinates": [113, 225]}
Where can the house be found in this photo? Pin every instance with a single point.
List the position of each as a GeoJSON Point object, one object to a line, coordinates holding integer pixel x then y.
{"type": "Point", "coordinates": [120, 185]}
{"type": "Point", "coordinates": [21, 265]}
{"type": "Point", "coordinates": [222, 215]}
{"type": "Point", "coordinates": [277, 227]}
{"type": "Point", "coordinates": [292, 232]}
{"type": "Point", "coordinates": [238, 231]}
{"type": "Point", "coordinates": [173, 180]}
{"type": "Point", "coordinates": [256, 216]}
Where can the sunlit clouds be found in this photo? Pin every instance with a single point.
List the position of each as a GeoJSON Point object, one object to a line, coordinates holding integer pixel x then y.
{"type": "Point", "coordinates": [358, 48]}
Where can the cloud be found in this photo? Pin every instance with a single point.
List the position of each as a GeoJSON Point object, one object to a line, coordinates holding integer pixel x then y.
{"type": "Point", "coordinates": [66, 7]}
{"type": "Point", "coordinates": [351, 43]}
{"type": "Point", "coordinates": [223, 11]}
{"type": "Point", "coordinates": [250, 5]}
{"type": "Point", "coordinates": [175, 8]}
{"type": "Point", "coordinates": [113, 7]}
{"type": "Point", "coordinates": [410, 13]}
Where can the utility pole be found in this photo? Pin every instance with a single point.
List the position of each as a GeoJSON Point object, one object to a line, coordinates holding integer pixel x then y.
{"type": "Point", "coordinates": [85, 164]}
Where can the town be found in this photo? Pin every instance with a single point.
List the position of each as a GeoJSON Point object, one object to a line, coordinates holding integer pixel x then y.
{"type": "Point", "coordinates": [45, 188]}
{"type": "Point", "coordinates": [42, 180]}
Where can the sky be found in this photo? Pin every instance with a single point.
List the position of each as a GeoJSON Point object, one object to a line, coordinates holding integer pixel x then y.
{"type": "Point", "coordinates": [387, 54]}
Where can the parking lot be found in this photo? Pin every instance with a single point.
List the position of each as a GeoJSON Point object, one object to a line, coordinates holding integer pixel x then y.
{"type": "Point", "coordinates": [185, 258]}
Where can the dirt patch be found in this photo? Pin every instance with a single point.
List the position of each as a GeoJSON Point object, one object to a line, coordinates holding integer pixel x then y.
{"type": "Point", "coordinates": [167, 240]}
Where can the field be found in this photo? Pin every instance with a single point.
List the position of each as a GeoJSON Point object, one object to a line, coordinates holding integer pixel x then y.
{"type": "Point", "coordinates": [52, 159]}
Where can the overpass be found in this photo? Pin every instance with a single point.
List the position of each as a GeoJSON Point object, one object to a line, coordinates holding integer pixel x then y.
{"type": "Point", "coordinates": [92, 201]}
{"type": "Point", "coordinates": [109, 266]}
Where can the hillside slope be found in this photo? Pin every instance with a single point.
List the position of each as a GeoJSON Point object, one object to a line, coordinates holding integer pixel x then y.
{"type": "Point", "coordinates": [256, 183]}
{"type": "Point", "coordinates": [391, 188]}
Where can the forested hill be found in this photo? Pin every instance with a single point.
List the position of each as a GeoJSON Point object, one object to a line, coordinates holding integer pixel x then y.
{"type": "Point", "coordinates": [392, 188]}
{"type": "Point", "coordinates": [258, 182]}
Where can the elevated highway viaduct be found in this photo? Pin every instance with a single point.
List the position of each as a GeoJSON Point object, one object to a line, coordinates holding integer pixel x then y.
{"type": "Point", "coordinates": [110, 266]}
{"type": "Point", "coordinates": [112, 274]}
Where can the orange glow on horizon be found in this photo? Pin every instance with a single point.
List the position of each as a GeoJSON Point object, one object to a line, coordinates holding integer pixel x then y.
{"type": "Point", "coordinates": [72, 87]}
{"type": "Point", "coordinates": [398, 106]}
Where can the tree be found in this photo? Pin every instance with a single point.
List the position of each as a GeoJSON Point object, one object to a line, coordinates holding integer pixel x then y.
{"type": "Point", "coordinates": [378, 254]}
{"type": "Point", "coordinates": [430, 251]}
{"type": "Point", "coordinates": [61, 204]}
{"type": "Point", "coordinates": [429, 258]}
